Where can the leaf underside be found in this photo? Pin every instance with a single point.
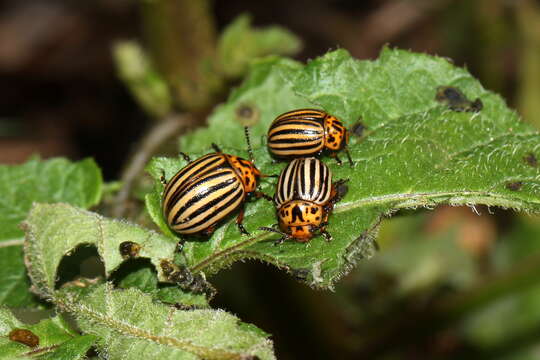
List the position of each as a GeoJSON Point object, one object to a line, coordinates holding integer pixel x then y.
{"type": "Point", "coordinates": [415, 152]}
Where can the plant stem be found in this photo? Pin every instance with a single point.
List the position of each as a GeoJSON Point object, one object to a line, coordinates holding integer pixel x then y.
{"type": "Point", "coordinates": [162, 131]}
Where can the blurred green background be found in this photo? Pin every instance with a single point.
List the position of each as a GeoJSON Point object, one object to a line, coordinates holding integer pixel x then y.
{"type": "Point", "coordinates": [451, 283]}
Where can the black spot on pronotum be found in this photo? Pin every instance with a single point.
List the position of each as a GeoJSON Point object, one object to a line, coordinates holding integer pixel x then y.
{"type": "Point", "coordinates": [531, 160]}
{"type": "Point", "coordinates": [297, 213]}
{"type": "Point", "coordinates": [24, 336]}
{"type": "Point", "coordinates": [313, 210]}
{"type": "Point", "coordinates": [456, 100]}
{"type": "Point", "coordinates": [247, 115]}
{"type": "Point", "coordinates": [514, 185]}
{"type": "Point", "coordinates": [129, 249]}
{"type": "Point", "coordinates": [358, 129]}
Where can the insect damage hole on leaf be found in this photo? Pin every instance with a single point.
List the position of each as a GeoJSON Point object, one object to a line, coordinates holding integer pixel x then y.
{"type": "Point", "coordinates": [83, 262]}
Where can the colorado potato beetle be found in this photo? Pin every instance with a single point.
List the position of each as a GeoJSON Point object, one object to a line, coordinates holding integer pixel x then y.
{"type": "Point", "coordinates": [207, 190]}
{"type": "Point", "coordinates": [304, 198]}
{"type": "Point", "coordinates": [307, 132]}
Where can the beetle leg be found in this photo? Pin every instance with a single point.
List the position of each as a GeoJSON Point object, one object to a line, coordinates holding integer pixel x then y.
{"type": "Point", "coordinates": [280, 241]}
{"type": "Point", "coordinates": [216, 148]}
{"type": "Point", "coordinates": [326, 235]}
{"type": "Point", "coordinates": [260, 194]}
{"type": "Point", "coordinates": [351, 163]}
{"type": "Point", "coordinates": [208, 231]}
{"type": "Point", "coordinates": [239, 221]}
{"type": "Point", "coordinates": [339, 162]}
{"type": "Point", "coordinates": [179, 246]}
{"type": "Point", "coordinates": [185, 156]}
{"type": "Point", "coordinates": [283, 237]}
{"type": "Point", "coordinates": [272, 176]}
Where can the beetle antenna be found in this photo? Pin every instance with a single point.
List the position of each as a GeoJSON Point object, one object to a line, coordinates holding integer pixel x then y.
{"type": "Point", "coordinates": [349, 157]}
{"type": "Point", "coordinates": [216, 148]}
{"type": "Point", "coordinates": [250, 150]}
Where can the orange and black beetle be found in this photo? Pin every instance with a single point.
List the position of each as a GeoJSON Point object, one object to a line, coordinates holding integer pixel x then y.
{"type": "Point", "coordinates": [207, 190]}
{"type": "Point", "coordinates": [305, 197]}
{"type": "Point", "coordinates": [307, 132]}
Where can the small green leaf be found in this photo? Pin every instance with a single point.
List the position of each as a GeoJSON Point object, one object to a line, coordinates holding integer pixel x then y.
{"type": "Point", "coordinates": [130, 325]}
{"type": "Point", "coordinates": [240, 43]}
{"type": "Point", "coordinates": [49, 339]}
{"type": "Point", "coordinates": [54, 180]}
{"type": "Point", "coordinates": [415, 152]}
{"type": "Point", "coordinates": [147, 86]}
{"type": "Point", "coordinates": [52, 231]}
{"type": "Point", "coordinates": [14, 282]}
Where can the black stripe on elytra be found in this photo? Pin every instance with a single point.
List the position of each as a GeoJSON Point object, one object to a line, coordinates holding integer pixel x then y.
{"type": "Point", "coordinates": [201, 195]}
{"type": "Point", "coordinates": [316, 122]}
{"type": "Point", "coordinates": [302, 177]}
{"type": "Point", "coordinates": [180, 191]}
{"type": "Point", "coordinates": [295, 141]}
{"type": "Point", "coordinates": [322, 181]}
{"type": "Point", "coordinates": [218, 212]}
{"type": "Point", "coordinates": [291, 171]}
{"type": "Point", "coordinates": [296, 131]}
{"type": "Point", "coordinates": [312, 165]}
{"type": "Point", "coordinates": [302, 114]}
{"type": "Point", "coordinates": [196, 163]}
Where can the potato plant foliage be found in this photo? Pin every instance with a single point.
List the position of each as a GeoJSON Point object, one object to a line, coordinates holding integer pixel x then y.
{"type": "Point", "coordinates": [418, 149]}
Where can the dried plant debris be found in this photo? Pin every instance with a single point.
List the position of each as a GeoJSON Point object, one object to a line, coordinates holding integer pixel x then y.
{"type": "Point", "coordinates": [358, 129]}
{"type": "Point", "coordinates": [456, 100]}
{"type": "Point", "coordinates": [25, 337]}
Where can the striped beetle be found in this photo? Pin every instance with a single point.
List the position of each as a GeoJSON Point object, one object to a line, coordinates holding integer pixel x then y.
{"type": "Point", "coordinates": [307, 132]}
{"type": "Point", "coordinates": [208, 189]}
{"type": "Point", "coordinates": [304, 198]}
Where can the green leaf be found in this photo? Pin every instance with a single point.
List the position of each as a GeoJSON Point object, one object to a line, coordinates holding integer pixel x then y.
{"type": "Point", "coordinates": [49, 339]}
{"type": "Point", "coordinates": [415, 152]}
{"type": "Point", "coordinates": [54, 180]}
{"type": "Point", "coordinates": [54, 230]}
{"type": "Point", "coordinates": [130, 325]}
{"type": "Point", "coordinates": [240, 43]}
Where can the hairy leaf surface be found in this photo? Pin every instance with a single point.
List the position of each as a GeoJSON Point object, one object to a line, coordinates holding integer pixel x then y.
{"type": "Point", "coordinates": [131, 326]}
